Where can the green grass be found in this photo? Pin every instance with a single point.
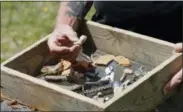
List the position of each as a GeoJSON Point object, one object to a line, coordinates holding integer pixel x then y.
{"type": "Point", "coordinates": [23, 23]}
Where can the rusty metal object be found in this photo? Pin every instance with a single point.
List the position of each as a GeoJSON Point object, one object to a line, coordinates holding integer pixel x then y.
{"type": "Point", "coordinates": [128, 71]}
{"type": "Point", "coordinates": [93, 91]}
{"type": "Point", "coordinates": [82, 66]}
{"type": "Point", "coordinates": [106, 99]}
{"type": "Point", "coordinates": [14, 102]}
{"type": "Point", "coordinates": [56, 78]}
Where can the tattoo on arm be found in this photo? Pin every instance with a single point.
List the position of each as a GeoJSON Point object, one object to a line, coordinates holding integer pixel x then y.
{"type": "Point", "coordinates": [78, 8]}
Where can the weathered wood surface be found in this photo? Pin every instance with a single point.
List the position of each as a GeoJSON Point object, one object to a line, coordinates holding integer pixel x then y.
{"type": "Point", "coordinates": [135, 46]}
{"type": "Point", "coordinates": [31, 59]}
{"type": "Point", "coordinates": [43, 95]}
{"type": "Point", "coordinates": [142, 95]}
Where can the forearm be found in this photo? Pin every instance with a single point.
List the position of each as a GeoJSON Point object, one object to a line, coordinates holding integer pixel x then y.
{"type": "Point", "coordinates": [71, 13]}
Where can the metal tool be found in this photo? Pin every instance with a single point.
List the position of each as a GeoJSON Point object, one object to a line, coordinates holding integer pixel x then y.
{"type": "Point", "coordinates": [56, 78]}
{"type": "Point", "coordinates": [99, 82]}
{"type": "Point", "coordinates": [93, 91]}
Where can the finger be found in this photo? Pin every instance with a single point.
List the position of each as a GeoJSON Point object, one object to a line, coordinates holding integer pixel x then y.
{"type": "Point", "coordinates": [72, 36]}
{"type": "Point", "coordinates": [74, 47]}
{"type": "Point", "coordinates": [174, 82]}
{"type": "Point", "coordinates": [178, 47]}
{"type": "Point", "coordinates": [60, 49]}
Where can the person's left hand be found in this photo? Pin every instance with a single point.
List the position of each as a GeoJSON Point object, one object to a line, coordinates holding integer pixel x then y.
{"type": "Point", "coordinates": [177, 78]}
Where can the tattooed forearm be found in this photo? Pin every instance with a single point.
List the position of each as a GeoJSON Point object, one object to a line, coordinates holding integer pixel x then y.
{"type": "Point", "coordinates": [78, 8]}
{"type": "Point", "coordinates": [72, 11]}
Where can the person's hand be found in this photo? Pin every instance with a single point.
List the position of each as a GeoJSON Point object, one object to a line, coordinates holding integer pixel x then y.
{"type": "Point", "coordinates": [177, 78]}
{"type": "Point", "coordinates": [61, 43]}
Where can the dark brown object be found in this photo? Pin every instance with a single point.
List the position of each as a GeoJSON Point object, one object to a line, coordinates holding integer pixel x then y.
{"type": "Point", "coordinates": [14, 102]}
{"type": "Point", "coordinates": [82, 66]}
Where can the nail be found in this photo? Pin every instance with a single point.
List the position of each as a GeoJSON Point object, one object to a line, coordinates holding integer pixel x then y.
{"type": "Point", "coordinates": [55, 78]}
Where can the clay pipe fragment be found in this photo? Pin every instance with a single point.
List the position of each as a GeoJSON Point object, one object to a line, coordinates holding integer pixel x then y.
{"type": "Point", "coordinates": [81, 40]}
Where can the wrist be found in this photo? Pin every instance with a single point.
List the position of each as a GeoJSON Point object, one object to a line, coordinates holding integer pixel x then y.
{"type": "Point", "coordinates": [60, 27]}
{"type": "Point", "coordinates": [73, 23]}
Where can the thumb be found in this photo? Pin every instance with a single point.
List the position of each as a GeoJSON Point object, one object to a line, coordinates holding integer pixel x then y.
{"type": "Point", "coordinates": [178, 47]}
{"type": "Point", "coordinates": [175, 81]}
{"type": "Point", "coordinates": [60, 49]}
{"type": "Point", "coordinates": [74, 47]}
{"type": "Point", "coordinates": [72, 36]}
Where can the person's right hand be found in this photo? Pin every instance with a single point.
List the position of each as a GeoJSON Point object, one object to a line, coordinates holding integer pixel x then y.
{"type": "Point", "coordinates": [61, 43]}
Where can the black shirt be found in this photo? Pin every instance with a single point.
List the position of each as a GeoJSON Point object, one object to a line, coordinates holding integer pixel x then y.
{"type": "Point", "coordinates": [161, 20]}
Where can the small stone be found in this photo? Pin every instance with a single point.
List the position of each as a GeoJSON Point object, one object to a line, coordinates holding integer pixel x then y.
{"type": "Point", "coordinates": [99, 94]}
{"type": "Point", "coordinates": [117, 90]}
{"type": "Point", "coordinates": [14, 102]}
{"type": "Point", "coordinates": [138, 73]}
{"type": "Point", "coordinates": [106, 99]}
{"type": "Point", "coordinates": [128, 71]}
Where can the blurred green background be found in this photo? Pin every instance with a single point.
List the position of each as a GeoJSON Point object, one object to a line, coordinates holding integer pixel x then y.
{"type": "Point", "coordinates": [23, 23]}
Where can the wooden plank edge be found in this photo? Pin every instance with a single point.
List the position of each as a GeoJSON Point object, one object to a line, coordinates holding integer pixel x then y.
{"type": "Point", "coordinates": [52, 86]}
{"type": "Point", "coordinates": [146, 77]}
{"type": "Point", "coordinates": [134, 34]}
{"type": "Point", "coordinates": [25, 50]}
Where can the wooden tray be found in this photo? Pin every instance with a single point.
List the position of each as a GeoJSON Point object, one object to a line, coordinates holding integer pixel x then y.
{"type": "Point", "coordinates": [18, 74]}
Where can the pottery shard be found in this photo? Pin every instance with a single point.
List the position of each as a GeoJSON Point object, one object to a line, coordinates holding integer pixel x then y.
{"type": "Point", "coordinates": [104, 60]}
{"type": "Point", "coordinates": [65, 64]}
{"type": "Point", "coordinates": [68, 72]}
{"type": "Point", "coordinates": [122, 61]}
